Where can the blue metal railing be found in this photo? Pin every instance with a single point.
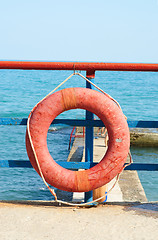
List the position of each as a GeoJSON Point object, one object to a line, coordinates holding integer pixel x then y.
{"type": "Point", "coordinates": [78, 165]}
{"type": "Point", "coordinates": [89, 123]}
{"type": "Point", "coordinates": [84, 123]}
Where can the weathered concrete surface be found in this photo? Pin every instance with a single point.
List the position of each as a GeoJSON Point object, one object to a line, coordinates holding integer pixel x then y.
{"type": "Point", "coordinates": [143, 137]}
{"type": "Point", "coordinates": [128, 188]}
{"type": "Point", "coordinates": [37, 222]}
{"type": "Point", "coordinates": [131, 187]}
{"type": "Point", "coordinates": [76, 152]}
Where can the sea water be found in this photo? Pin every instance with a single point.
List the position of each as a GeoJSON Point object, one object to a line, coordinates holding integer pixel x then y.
{"type": "Point", "coordinates": [20, 90]}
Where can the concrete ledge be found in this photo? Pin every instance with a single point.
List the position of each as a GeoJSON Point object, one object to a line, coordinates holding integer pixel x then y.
{"type": "Point", "coordinates": [143, 138]}
{"type": "Point", "coordinates": [152, 204]}
{"type": "Point", "coordinates": [76, 152]}
{"type": "Point", "coordinates": [112, 221]}
{"type": "Point", "coordinates": [131, 187]}
{"type": "Point", "coordinates": [128, 188]}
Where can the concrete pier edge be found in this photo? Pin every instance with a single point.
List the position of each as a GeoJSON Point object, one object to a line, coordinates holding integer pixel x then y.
{"type": "Point", "coordinates": [128, 189]}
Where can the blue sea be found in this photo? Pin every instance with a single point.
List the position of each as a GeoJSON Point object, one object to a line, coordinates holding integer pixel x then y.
{"type": "Point", "coordinates": [20, 90]}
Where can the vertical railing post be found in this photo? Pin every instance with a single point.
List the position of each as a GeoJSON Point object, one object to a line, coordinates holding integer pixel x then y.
{"type": "Point", "coordinates": [89, 136]}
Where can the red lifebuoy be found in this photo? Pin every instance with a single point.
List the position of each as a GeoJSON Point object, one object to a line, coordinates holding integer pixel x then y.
{"type": "Point", "coordinates": [113, 118]}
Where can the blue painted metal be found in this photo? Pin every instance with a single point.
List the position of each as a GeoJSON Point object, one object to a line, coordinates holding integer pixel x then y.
{"type": "Point", "coordinates": [143, 167]}
{"type": "Point", "coordinates": [70, 122]}
{"type": "Point", "coordinates": [13, 121]}
{"type": "Point", "coordinates": [15, 164]}
{"type": "Point", "coordinates": [89, 145]}
{"type": "Point", "coordinates": [27, 164]}
{"type": "Point", "coordinates": [77, 165]}
{"type": "Point", "coordinates": [143, 124]}
{"type": "Point", "coordinates": [89, 134]}
{"type": "Point", "coordinates": [85, 123]}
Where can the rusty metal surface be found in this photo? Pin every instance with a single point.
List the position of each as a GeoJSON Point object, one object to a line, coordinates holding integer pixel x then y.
{"type": "Point", "coordinates": [90, 67]}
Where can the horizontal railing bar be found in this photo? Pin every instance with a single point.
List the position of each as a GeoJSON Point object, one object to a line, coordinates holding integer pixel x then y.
{"type": "Point", "coordinates": [15, 164]}
{"type": "Point", "coordinates": [79, 123]}
{"type": "Point", "coordinates": [75, 122]}
{"type": "Point", "coordinates": [86, 66]}
{"type": "Point", "coordinates": [143, 167]}
{"type": "Point", "coordinates": [142, 124]}
{"type": "Point", "coordinates": [77, 165]}
{"type": "Point", "coordinates": [13, 121]}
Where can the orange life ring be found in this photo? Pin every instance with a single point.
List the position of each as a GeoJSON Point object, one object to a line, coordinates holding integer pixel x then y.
{"type": "Point", "coordinates": [113, 118]}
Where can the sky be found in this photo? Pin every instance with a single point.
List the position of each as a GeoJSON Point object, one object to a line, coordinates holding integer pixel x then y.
{"type": "Point", "coordinates": [83, 30]}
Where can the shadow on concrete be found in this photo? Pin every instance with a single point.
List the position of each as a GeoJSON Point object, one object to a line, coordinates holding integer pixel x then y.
{"type": "Point", "coordinates": [148, 209]}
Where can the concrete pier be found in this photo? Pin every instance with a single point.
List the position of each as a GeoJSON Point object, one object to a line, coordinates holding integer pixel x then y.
{"type": "Point", "coordinates": [127, 189]}
{"type": "Point", "coordinates": [143, 137]}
